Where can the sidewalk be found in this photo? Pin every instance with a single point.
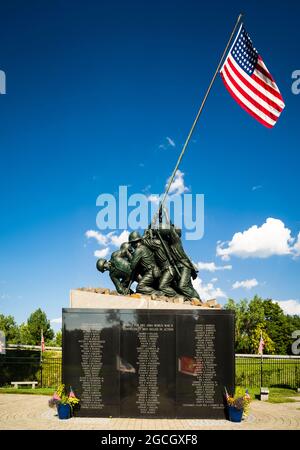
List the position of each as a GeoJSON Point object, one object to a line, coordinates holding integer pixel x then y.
{"type": "Point", "coordinates": [31, 412]}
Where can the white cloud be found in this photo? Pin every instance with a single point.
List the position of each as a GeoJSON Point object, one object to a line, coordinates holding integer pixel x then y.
{"type": "Point", "coordinates": [214, 280]}
{"type": "Point", "coordinates": [296, 247]}
{"type": "Point", "coordinates": [118, 240]}
{"type": "Point", "coordinates": [271, 238]}
{"type": "Point", "coordinates": [100, 238]}
{"type": "Point", "coordinates": [291, 307]}
{"type": "Point", "coordinates": [177, 186]}
{"type": "Point", "coordinates": [211, 266]}
{"type": "Point", "coordinates": [246, 284]}
{"type": "Point", "coordinates": [170, 142]}
{"type": "Point", "coordinates": [208, 291]}
{"type": "Point", "coordinates": [146, 188]}
{"type": "Point", "coordinates": [254, 188]}
{"type": "Point", "coordinates": [58, 320]}
{"type": "Point", "coordinates": [108, 240]}
{"type": "Point", "coordinates": [153, 198]}
{"type": "Point", "coordinates": [101, 253]}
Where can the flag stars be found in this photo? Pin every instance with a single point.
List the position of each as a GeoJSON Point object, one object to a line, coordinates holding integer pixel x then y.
{"type": "Point", "coordinates": [244, 53]}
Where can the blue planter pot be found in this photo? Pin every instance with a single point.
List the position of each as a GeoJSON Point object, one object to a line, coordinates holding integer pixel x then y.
{"type": "Point", "coordinates": [235, 415]}
{"type": "Point", "coordinates": [64, 411]}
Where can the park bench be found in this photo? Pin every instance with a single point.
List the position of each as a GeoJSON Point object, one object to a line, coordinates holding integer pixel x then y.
{"type": "Point", "coordinates": [16, 383]}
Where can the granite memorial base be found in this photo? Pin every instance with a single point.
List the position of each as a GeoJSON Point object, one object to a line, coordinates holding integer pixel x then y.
{"type": "Point", "coordinates": [171, 363]}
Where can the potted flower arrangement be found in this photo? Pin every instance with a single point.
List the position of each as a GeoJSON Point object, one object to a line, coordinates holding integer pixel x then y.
{"type": "Point", "coordinates": [65, 403]}
{"type": "Point", "coordinates": [238, 405]}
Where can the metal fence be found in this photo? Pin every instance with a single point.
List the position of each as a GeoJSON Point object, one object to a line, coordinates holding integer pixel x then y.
{"type": "Point", "coordinates": [47, 373]}
{"type": "Point", "coordinates": [251, 370]}
{"type": "Point", "coordinates": [267, 370]}
{"type": "Point", "coordinates": [50, 373]}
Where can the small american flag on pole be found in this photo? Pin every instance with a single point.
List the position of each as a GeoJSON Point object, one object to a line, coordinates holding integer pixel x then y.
{"type": "Point", "coordinates": [261, 345]}
{"type": "Point", "coordinates": [249, 82]}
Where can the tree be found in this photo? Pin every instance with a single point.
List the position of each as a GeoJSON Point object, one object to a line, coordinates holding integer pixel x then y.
{"type": "Point", "coordinates": [24, 335]}
{"type": "Point", "coordinates": [269, 346]}
{"type": "Point", "coordinates": [256, 313]}
{"type": "Point", "coordinates": [36, 322]}
{"type": "Point", "coordinates": [10, 329]}
{"type": "Point", "coordinates": [294, 322]}
{"type": "Point", "coordinates": [277, 326]}
{"type": "Point", "coordinates": [266, 315]}
{"type": "Point", "coordinates": [58, 339]}
{"type": "Point", "coordinates": [241, 336]}
{"type": "Point", "coordinates": [248, 315]}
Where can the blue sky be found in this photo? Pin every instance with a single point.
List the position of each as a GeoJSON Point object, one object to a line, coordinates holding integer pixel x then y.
{"type": "Point", "coordinates": [94, 88]}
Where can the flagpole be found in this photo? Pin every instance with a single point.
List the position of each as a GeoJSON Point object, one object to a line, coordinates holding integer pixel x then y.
{"type": "Point", "coordinates": [41, 358]}
{"type": "Point", "coordinates": [41, 352]}
{"type": "Point", "coordinates": [261, 361]}
{"type": "Point", "coordinates": [261, 370]}
{"type": "Point", "coordinates": [197, 117]}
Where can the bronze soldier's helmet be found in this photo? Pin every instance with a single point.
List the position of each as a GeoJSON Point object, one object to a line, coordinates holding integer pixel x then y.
{"type": "Point", "coordinates": [100, 264]}
{"type": "Point", "coordinates": [125, 246]}
{"type": "Point", "coordinates": [134, 237]}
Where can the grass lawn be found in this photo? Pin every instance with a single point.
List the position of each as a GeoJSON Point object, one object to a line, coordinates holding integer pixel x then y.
{"type": "Point", "coordinates": [276, 395]}
{"type": "Point", "coordinates": [275, 372]}
{"type": "Point", "coordinates": [36, 391]}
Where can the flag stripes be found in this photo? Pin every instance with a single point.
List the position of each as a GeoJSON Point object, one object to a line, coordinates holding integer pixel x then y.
{"type": "Point", "coordinates": [249, 82]}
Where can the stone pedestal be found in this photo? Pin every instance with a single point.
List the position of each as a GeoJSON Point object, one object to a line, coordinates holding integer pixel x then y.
{"type": "Point", "coordinates": [88, 299]}
{"type": "Point", "coordinates": [133, 358]}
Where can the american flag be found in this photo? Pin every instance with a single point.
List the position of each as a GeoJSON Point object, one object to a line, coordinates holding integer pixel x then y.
{"type": "Point", "coordinates": [56, 396]}
{"type": "Point", "coordinates": [226, 393]}
{"type": "Point", "coordinates": [71, 394]}
{"type": "Point", "coordinates": [261, 345]}
{"type": "Point", "coordinates": [248, 80]}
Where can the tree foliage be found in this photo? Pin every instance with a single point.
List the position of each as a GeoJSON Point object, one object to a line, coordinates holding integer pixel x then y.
{"type": "Point", "coordinates": [10, 328]}
{"type": "Point", "coordinates": [58, 339]}
{"type": "Point", "coordinates": [262, 316]}
{"type": "Point", "coordinates": [27, 333]}
{"type": "Point", "coordinates": [254, 339]}
{"type": "Point", "coordinates": [36, 323]}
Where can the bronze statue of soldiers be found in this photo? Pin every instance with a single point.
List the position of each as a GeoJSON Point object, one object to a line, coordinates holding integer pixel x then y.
{"type": "Point", "coordinates": [119, 272]}
{"type": "Point", "coordinates": [144, 262]}
{"type": "Point", "coordinates": [166, 269]}
{"type": "Point", "coordinates": [123, 252]}
{"type": "Point", "coordinates": [183, 263]}
{"type": "Point", "coordinates": [157, 261]}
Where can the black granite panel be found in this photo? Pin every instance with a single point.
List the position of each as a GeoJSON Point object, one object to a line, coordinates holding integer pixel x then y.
{"type": "Point", "coordinates": [149, 363]}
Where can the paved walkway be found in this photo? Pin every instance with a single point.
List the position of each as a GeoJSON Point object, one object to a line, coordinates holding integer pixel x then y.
{"type": "Point", "coordinates": [31, 412]}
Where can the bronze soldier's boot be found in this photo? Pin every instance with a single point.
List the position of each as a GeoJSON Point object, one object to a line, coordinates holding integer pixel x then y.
{"type": "Point", "coordinates": [185, 286]}
{"type": "Point", "coordinates": [165, 284]}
